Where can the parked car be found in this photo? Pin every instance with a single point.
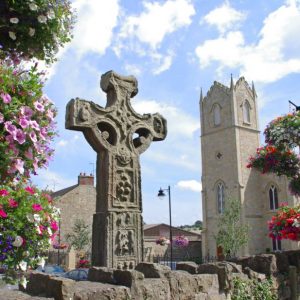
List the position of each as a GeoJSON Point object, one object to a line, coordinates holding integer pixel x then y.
{"type": "Point", "coordinates": [79, 274]}
{"type": "Point", "coordinates": [52, 269]}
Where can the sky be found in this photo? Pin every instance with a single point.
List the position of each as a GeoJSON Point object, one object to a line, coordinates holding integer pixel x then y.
{"type": "Point", "coordinates": [174, 48]}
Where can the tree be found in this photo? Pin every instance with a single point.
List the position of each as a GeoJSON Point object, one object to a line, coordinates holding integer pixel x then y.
{"type": "Point", "coordinates": [80, 238]}
{"type": "Point", "coordinates": [232, 234]}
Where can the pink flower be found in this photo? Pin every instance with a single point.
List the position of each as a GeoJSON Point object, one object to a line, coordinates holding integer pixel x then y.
{"type": "Point", "coordinates": [28, 154]}
{"type": "Point", "coordinates": [4, 193]}
{"type": "Point", "coordinates": [19, 165]}
{"type": "Point", "coordinates": [20, 136]}
{"type": "Point", "coordinates": [23, 122]}
{"type": "Point", "coordinates": [30, 190]}
{"type": "Point", "coordinates": [1, 118]}
{"type": "Point", "coordinates": [50, 114]}
{"type": "Point", "coordinates": [9, 127]}
{"type": "Point", "coordinates": [3, 214]}
{"type": "Point", "coordinates": [37, 207]}
{"type": "Point", "coordinates": [32, 136]}
{"type": "Point", "coordinates": [5, 97]}
{"type": "Point", "coordinates": [12, 203]}
{"type": "Point", "coordinates": [35, 125]}
{"type": "Point", "coordinates": [27, 112]}
{"type": "Point", "coordinates": [54, 225]}
{"type": "Point", "coordinates": [39, 106]}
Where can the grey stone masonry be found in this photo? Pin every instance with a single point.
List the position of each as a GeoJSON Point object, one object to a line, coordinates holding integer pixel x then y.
{"type": "Point", "coordinates": [119, 135]}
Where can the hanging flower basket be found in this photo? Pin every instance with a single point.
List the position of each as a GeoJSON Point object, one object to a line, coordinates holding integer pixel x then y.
{"type": "Point", "coordinates": [162, 241]}
{"type": "Point", "coordinates": [284, 131]}
{"type": "Point", "coordinates": [27, 124]}
{"type": "Point", "coordinates": [181, 241]}
{"type": "Point", "coordinates": [286, 223]}
{"type": "Point", "coordinates": [272, 159]}
{"type": "Point", "coordinates": [28, 225]}
{"type": "Point", "coordinates": [35, 28]}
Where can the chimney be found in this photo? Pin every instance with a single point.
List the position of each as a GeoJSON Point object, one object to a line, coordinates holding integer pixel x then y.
{"type": "Point", "coordinates": [84, 179]}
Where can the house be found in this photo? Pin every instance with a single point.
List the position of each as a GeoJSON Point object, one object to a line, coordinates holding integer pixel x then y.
{"type": "Point", "coordinates": [154, 251]}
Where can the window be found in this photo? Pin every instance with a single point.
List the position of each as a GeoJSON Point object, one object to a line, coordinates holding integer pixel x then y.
{"type": "Point", "coordinates": [276, 245]}
{"type": "Point", "coordinates": [217, 114]}
{"type": "Point", "coordinates": [220, 198]}
{"type": "Point", "coordinates": [246, 111]}
{"type": "Point", "coordinates": [273, 197]}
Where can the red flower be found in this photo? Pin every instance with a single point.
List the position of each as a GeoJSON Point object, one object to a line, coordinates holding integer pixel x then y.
{"type": "Point", "coordinates": [292, 236]}
{"type": "Point", "coordinates": [3, 214]}
{"type": "Point", "coordinates": [12, 203]}
{"type": "Point", "coordinates": [30, 190]}
{"type": "Point", "coordinates": [4, 193]}
{"type": "Point", "coordinates": [37, 207]}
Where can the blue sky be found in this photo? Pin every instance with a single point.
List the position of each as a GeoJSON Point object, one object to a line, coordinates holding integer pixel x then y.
{"type": "Point", "coordinates": [174, 48]}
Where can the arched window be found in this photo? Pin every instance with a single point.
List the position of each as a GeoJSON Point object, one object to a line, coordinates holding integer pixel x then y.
{"type": "Point", "coordinates": [217, 114]}
{"type": "Point", "coordinates": [273, 197]}
{"type": "Point", "coordinates": [220, 198]}
{"type": "Point", "coordinates": [246, 111]}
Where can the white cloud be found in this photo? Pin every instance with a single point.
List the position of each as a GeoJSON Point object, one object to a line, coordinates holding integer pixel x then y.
{"type": "Point", "coordinates": [165, 63]}
{"type": "Point", "coordinates": [95, 23]}
{"type": "Point", "coordinates": [158, 20]}
{"type": "Point", "coordinates": [192, 185]}
{"type": "Point", "coordinates": [132, 69]}
{"type": "Point", "coordinates": [276, 55]}
{"type": "Point", "coordinates": [224, 17]}
{"type": "Point", "coordinates": [50, 180]}
{"type": "Point", "coordinates": [179, 123]}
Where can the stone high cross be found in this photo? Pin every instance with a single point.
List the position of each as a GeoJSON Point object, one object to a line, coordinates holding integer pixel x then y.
{"type": "Point", "coordinates": [119, 135]}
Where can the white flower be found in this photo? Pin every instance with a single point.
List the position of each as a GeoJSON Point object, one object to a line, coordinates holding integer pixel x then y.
{"type": "Point", "coordinates": [12, 35]}
{"type": "Point", "coordinates": [14, 20]}
{"type": "Point", "coordinates": [18, 241]}
{"type": "Point", "coordinates": [41, 262]}
{"type": "Point", "coordinates": [23, 265]}
{"type": "Point", "coordinates": [23, 282]}
{"type": "Point", "coordinates": [49, 231]}
{"type": "Point", "coordinates": [38, 229]}
{"type": "Point", "coordinates": [26, 253]}
{"type": "Point", "coordinates": [33, 6]}
{"type": "Point", "coordinates": [31, 31]}
{"type": "Point", "coordinates": [37, 218]}
{"type": "Point", "coordinates": [30, 218]}
{"type": "Point", "coordinates": [42, 19]}
{"type": "Point", "coordinates": [50, 14]}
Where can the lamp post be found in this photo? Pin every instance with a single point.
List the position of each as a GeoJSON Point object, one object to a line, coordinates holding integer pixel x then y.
{"type": "Point", "coordinates": [161, 195]}
{"type": "Point", "coordinates": [297, 107]}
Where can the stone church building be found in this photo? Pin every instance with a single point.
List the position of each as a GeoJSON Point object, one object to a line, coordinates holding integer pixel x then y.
{"type": "Point", "coordinates": [229, 136]}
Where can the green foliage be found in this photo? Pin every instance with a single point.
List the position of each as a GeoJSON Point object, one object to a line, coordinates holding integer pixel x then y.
{"type": "Point", "coordinates": [197, 225]}
{"type": "Point", "coordinates": [252, 290]}
{"type": "Point", "coordinates": [232, 235]}
{"type": "Point", "coordinates": [80, 238]}
{"type": "Point", "coordinates": [35, 28]}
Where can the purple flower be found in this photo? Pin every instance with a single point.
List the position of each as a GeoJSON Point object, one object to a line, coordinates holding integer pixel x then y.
{"type": "Point", "coordinates": [27, 112]}
{"type": "Point", "coordinates": [32, 136]}
{"type": "Point", "coordinates": [23, 122]}
{"type": "Point", "coordinates": [10, 128]}
{"type": "Point", "coordinates": [5, 97]}
{"type": "Point", "coordinates": [39, 106]}
{"type": "Point", "coordinates": [20, 136]}
{"type": "Point", "coordinates": [35, 125]}
{"type": "Point", "coordinates": [28, 153]}
{"type": "Point", "coordinates": [19, 165]}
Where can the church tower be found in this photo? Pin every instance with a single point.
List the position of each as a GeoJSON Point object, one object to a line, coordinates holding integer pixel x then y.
{"type": "Point", "coordinates": [229, 136]}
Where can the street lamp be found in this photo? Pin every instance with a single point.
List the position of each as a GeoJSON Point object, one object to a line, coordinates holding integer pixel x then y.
{"type": "Point", "coordinates": [297, 107]}
{"type": "Point", "coordinates": [161, 195]}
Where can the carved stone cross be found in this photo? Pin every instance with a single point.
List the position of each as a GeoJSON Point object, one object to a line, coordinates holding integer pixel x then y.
{"type": "Point", "coordinates": [119, 135]}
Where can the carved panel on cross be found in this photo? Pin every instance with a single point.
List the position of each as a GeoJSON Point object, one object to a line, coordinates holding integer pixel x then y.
{"type": "Point", "coordinates": [124, 243]}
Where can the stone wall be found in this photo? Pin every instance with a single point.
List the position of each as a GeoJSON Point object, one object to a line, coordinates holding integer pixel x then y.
{"type": "Point", "coordinates": [190, 281]}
